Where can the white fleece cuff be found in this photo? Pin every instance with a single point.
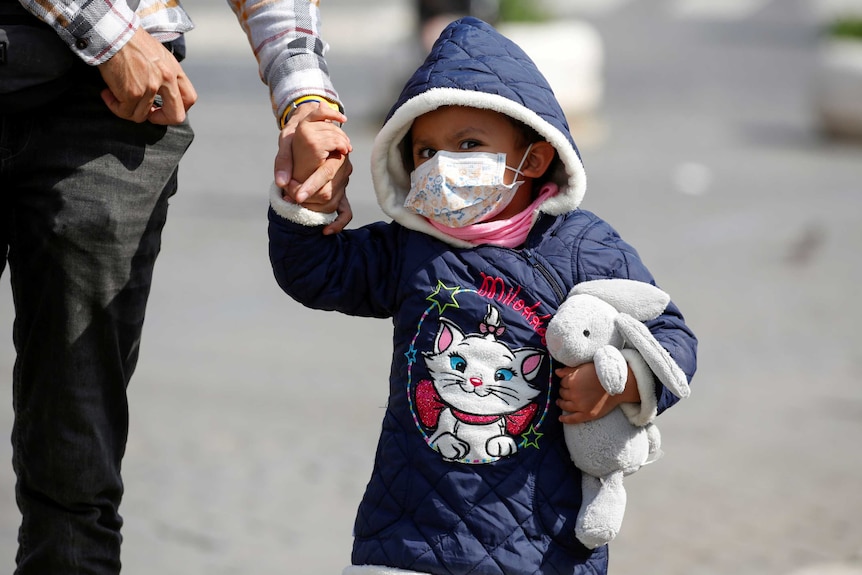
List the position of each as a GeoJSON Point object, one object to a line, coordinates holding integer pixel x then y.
{"type": "Point", "coordinates": [296, 213]}
{"type": "Point", "coordinates": [642, 413]}
{"type": "Point", "coordinates": [375, 570]}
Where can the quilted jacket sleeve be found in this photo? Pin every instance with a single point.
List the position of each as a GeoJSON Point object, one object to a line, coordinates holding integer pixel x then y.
{"type": "Point", "coordinates": [600, 254]}
{"type": "Point", "coordinates": [354, 272]}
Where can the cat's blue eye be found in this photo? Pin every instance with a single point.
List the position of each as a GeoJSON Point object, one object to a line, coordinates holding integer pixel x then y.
{"type": "Point", "coordinates": [458, 363]}
{"type": "Point", "coordinates": [504, 375]}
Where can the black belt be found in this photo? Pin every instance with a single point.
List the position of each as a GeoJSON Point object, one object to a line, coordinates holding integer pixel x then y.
{"type": "Point", "coordinates": [11, 12]}
{"type": "Point", "coordinates": [42, 67]}
{"type": "Point", "coordinates": [177, 47]}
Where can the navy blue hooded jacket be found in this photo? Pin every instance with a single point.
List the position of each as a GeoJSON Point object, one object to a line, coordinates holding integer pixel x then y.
{"type": "Point", "coordinates": [472, 475]}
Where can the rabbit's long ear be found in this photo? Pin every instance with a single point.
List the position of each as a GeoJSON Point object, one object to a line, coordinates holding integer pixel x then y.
{"type": "Point", "coordinates": [656, 357]}
{"type": "Point", "coordinates": [640, 300]}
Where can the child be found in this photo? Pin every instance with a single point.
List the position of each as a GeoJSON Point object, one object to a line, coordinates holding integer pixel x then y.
{"type": "Point", "coordinates": [476, 166]}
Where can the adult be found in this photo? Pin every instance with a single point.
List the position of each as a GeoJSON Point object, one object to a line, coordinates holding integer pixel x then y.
{"type": "Point", "coordinates": [93, 125]}
{"type": "Point", "coordinates": [434, 15]}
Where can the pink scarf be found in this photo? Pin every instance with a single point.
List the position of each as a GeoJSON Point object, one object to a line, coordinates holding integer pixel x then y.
{"type": "Point", "coordinates": [509, 233]}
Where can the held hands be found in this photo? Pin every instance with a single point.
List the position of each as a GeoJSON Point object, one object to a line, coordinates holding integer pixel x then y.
{"type": "Point", "coordinates": [584, 398]}
{"type": "Point", "coordinates": [312, 165]}
{"type": "Point", "coordinates": [139, 71]}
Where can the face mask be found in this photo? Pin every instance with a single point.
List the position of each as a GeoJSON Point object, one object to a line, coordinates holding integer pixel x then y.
{"type": "Point", "coordinates": [457, 189]}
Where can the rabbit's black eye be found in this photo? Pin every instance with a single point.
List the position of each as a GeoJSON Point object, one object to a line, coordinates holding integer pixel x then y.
{"type": "Point", "coordinates": [586, 333]}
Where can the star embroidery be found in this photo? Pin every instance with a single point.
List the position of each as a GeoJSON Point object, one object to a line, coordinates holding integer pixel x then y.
{"type": "Point", "coordinates": [411, 355]}
{"type": "Point", "coordinates": [444, 297]}
{"type": "Point", "coordinates": [531, 438]}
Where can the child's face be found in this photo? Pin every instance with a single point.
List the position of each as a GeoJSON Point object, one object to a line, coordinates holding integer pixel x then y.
{"type": "Point", "coordinates": [461, 129]}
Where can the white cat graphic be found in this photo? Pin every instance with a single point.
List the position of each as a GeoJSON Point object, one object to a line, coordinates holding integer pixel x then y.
{"type": "Point", "coordinates": [480, 394]}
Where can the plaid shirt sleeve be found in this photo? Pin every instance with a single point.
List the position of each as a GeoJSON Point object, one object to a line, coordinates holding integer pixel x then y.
{"type": "Point", "coordinates": [96, 29]}
{"type": "Point", "coordinates": [93, 29]}
{"type": "Point", "coordinates": [285, 38]}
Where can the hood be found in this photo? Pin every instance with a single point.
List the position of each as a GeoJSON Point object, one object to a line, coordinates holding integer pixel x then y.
{"type": "Point", "coordinates": [473, 65]}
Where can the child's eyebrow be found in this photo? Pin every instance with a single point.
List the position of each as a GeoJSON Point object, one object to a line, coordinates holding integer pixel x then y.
{"type": "Point", "coordinates": [469, 131]}
{"type": "Point", "coordinates": [418, 143]}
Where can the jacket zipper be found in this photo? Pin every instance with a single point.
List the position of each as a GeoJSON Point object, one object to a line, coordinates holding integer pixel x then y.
{"type": "Point", "coordinates": [537, 265]}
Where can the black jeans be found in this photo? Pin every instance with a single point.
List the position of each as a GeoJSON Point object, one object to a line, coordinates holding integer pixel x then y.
{"type": "Point", "coordinates": [83, 200]}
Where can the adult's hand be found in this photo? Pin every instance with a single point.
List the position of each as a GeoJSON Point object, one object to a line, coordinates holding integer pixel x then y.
{"type": "Point", "coordinates": [315, 174]}
{"type": "Point", "coordinates": [139, 71]}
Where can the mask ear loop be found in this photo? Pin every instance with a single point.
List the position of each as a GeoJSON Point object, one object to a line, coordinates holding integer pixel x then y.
{"type": "Point", "coordinates": [523, 159]}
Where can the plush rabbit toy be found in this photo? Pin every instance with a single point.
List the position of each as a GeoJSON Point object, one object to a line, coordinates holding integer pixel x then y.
{"type": "Point", "coordinates": [601, 321]}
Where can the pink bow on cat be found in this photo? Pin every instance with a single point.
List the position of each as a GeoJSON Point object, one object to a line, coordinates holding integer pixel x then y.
{"type": "Point", "coordinates": [429, 405]}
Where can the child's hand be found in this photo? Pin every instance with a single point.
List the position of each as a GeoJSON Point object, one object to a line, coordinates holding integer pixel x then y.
{"type": "Point", "coordinates": [345, 214]}
{"type": "Point", "coordinates": [332, 190]}
{"type": "Point", "coordinates": [584, 398]}
{"type": "Point", "coordinates": [331, 203]}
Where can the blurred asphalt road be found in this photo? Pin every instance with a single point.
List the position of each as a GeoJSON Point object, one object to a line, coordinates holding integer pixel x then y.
{"type": "Point", "coordinates": [254, 421]}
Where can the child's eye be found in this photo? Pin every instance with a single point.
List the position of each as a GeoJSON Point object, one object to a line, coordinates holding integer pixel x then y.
{"type": "Point", "coordinates": [426, 153]}
{"type": "Point", "coordinates": [468, 144]}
